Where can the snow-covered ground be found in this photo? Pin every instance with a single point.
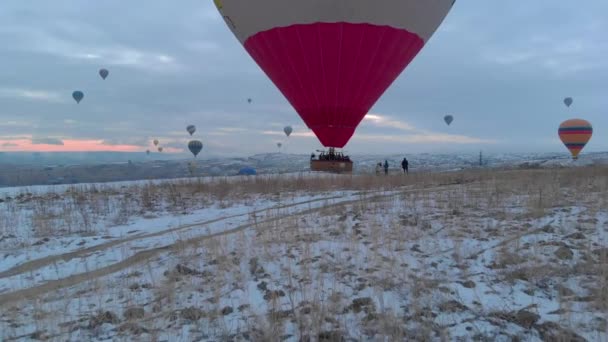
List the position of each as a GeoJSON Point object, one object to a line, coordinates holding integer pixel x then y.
{"type": "Point", "coordinates": [460, 256]}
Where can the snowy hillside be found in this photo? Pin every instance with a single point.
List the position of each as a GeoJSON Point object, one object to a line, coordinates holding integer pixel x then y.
{"type": "Point", "coordinates": [272, 163]}
{"type": "Point", "coordinates": [498, 256]}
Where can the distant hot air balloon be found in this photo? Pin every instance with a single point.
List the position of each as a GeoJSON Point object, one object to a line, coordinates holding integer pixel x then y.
{"type": "Point", "coordinates": [288, 130]}
{"type": "Point", "coordinates": [195, 147]}
{"type": "Point", "coordinates": [155, 142]}
{"type": "Point", "coordinates": [160, 149]}
{"type": "Point", "coordinates": [279, 145]}
{"type": "Point", "coordinates": [191, 129]}
{"type": "Point", "coordinates": [147, 151]}
{"type": "Point", "coordinates": [568, 101]}
{"type": "Point", "coordinates": [575, 134]}
{"type": "Point", "coordinates": [448, 119]}
{"type": "Point", "coordinates": [333, 59]}
{"type": "Point", "coordinates": [104, 73]}
{"type": "Point", "coordinates": [249, 100]}
{"type": "Point", "coordinates": [78, 96]}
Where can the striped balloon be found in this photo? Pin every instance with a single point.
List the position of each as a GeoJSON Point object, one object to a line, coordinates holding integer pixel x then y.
{"type": "Point", "coordinates": [575, 134]}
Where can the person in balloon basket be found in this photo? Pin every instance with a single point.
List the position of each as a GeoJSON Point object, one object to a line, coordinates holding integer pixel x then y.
{"type": "Point", "coordinates": [386, 167]}
{"type": "Point", "coordinates": [405, 165]}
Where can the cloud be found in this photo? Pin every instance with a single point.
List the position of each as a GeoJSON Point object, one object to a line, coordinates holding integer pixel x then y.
{"type": "Point", "coordinates": [174, 67]}
{"type": "Point", "coordinates": [300, 134]}
{"type": "Point", "coordinates": [413, 134]}
{"type": "Point", "coordinates": [9, 144]}
{"type": "Point", "coordinates": [385, 121]}
{"type": "Point", "coordinates": [34, 95]}
{"type": "Point", "coordinates": [47, 141]}
{"type": "Point", "coordinates": [426, 138]}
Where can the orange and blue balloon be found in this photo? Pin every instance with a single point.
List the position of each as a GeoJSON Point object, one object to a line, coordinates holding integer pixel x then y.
{"type": "Point", "coordinates": [575, 134]}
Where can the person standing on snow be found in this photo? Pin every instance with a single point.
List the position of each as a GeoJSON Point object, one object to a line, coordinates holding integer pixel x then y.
{"type": "Point", "coordinates": [405, 165]}
{"type": "Point", "coordinates": [386, 167]}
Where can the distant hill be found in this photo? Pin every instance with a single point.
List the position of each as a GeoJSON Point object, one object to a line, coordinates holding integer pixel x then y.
{"type": "Point", "coordinates": [19, 169]}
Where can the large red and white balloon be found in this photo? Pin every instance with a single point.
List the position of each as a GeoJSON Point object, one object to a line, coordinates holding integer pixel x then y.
{"type": "Point", "coordinates": [333, 59]}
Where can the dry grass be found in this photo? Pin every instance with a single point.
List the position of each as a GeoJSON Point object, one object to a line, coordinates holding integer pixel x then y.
{"type": "Point", "coordinates": [385, 268]}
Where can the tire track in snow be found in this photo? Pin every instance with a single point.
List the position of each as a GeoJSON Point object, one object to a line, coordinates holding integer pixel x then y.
{"type": "Point", "coordinates": [32, 265]}
{"type": "Point", "coordinates": [139, 257]}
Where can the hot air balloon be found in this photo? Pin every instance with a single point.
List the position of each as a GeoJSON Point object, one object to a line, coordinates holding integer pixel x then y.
{"type": "Point", "coordinates": [568, 101]}
{"type": "Point", "coordinates": [195, 147]}
{"type": "Point", "coordinates": [333, 59]}
{"type": "Point", "coordinates": [191, 129]}
{"type": "Point", "coordinates": [155, 142]}
{"type": "Point", "coordinates": [279, 145]}
{"type": "Point", "coordinates": [160, 149]}
{"type": "Point", "coordinates": [288, 130]}
{"type": "Point", "coordinates": [575, 134]}
{"type": "Point", "coordinates": [104, 73]}
{"type": "Point", "coordinates": [249, 100]}
{"type": "Point", "coordinates": [147, 151]}
{"type": "Point", "coordinates": [78, 96]}
{"type": "Point", "coordinates": [448, 119]}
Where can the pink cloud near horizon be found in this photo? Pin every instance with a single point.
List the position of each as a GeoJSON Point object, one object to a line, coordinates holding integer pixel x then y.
{"type": "Point", "coordinates": [69, 145]}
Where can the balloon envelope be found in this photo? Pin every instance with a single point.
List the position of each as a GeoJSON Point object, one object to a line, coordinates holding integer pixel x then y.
{"type": "Point", "coordinates": [287, 130]}
{"type": "Point", "coordinates": [279, 145]}
{"type": "Point", "coordinates": [78, 96]}
{"type": "Point", "coordinates": [448, 119]}
{"type": "Point", "coordinates": [104, 73]}
{"type": "Point", "coordinates": [575, 134]}
{"type": "Point", "coordinates": [155, 142]}
{"type": "Point", "coordinates": [160, 149]}
{"type": "Point", "coordinates": [568, 101]}
{"type": "Point", "coordinates": [191, 129]}
{"type": "Point", "coordinates": [195, 147]}
{"type": "Point", "coordinates": [333, 59]}
{"type": "Point", "coordinates": [147, 151]}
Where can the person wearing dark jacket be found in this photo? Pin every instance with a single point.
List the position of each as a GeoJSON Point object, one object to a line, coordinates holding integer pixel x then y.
{"type": "Point", "coordinates": [386, 167]}
{"type": "Point", "coordinates": [405, 165]}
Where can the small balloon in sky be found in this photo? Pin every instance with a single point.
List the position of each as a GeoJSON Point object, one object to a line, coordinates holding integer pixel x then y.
{"type": "Point", "coordinates": [568, 101]}
{"type": "Point", "coordinates": [191, 129]}
{"type": "Point", "coordinates": [195, 147]}
{"type": "Point", "coordinates": [288, 130]}
{"type": "Point", "coordinates": [104, 73]}
{"type": "Point", "coordinates": [78, 96]}
{"type": "Point", "coordinates": [448, 119]}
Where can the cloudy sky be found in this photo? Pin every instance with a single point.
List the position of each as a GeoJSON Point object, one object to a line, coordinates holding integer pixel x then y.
{"type": "Point", "coordinates": [502, 68]}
